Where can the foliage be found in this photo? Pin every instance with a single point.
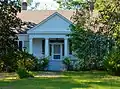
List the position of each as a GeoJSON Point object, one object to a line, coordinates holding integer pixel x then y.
{"type": "Point", "coordinates": [112, 62]}
{"type": "Point", "coordinates": [76, 4]}
{"type": "Point", "coordinates": [90, 39]}
{"type": "Point", "coordinates": [29, 62]}
{"type": "Point", "coordinates": [26, 60]}
{"type": "Point", "coordinates": [42, 64]}
{"type": "Point", "coordinates": [23, 73]}
{"type": "Point", "coordinates": [9, 25]}
{"type": "Point", "coordinates": [70, 4]}
{"type": "Point", "coordinates": [1, 65]}
{"type": "Point", "coordinates": [68, 63]}
{"type": "Point", "coordinates": [90, 47]}
{"type": "Point", "coordinates": [18, 59]}
{"type": "Point", "coordinates": [79, 66]}
{"type": "Point", "coordinates": [109, 16]}
{"type": "Point", "coordinates": [9, 62]}
{"type": "Point", "coordinates": [29, 2]}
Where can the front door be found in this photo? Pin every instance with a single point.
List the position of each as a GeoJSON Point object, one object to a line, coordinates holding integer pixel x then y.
{"type": "Point", "coordinates": [57, 51]}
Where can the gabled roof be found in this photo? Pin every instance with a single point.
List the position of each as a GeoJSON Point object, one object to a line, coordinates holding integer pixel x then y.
{"type": "Point", "coordinates": [39, 16]}
{"type": "Point", "coordinates": [48, 18]}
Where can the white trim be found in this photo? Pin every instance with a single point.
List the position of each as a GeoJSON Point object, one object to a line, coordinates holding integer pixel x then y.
{"type": "Point", "coordinates": [46, 47]}
{"type": "Point", "coordinates": [23, 34]}
{"type": "Point", "coordinates": [48, 36]}
{"type": "Point", "coordinates": [65, 47]}
{"type": "Point", "coordinates": [18, 43]}
{"type": "Point", "coordinates": [51, 32]}
{"type": "Point", "coordinates": [52, 54]}
{"type": "Point", "coordinates": [23, 45]}
{"type": "Point", "coordinates": [56, 43]}
{"type": "Point", "coordinates": [30, 45]}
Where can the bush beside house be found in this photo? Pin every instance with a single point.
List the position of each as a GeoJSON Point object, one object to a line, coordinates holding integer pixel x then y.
{"type": "Point", "coordinates": [23, 73]}
{"type": "Point", "coordinates": [112, 62]}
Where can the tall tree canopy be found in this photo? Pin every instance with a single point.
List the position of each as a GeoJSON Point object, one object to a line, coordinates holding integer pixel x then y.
{"type": "Point", "coordinates": [73, 4]}
{"type": "Point", "coordinates": [29, 2]}
{"type": "Point", "coordinates": [90, 39]}
{"type": "Point", "coordinates": [68, 4]}
{"type": "Point", "coordinates": [109, 16]}
{"type": "Point", "coordinates": [10, 24]}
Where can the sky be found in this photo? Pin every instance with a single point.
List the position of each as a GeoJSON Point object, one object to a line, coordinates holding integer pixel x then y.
{"type": "Point", "coordinates": [45, 4]}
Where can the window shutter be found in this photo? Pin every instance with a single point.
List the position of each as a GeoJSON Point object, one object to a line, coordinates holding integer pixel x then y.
{"type": "Point", "coordinates": [62, 49]}
{"type": "Point", "coordinates": [70, 47]}
{"type": "Point", "coordinates": [43, 46]}
{"type": "Point", "coordinates": [20, 45]}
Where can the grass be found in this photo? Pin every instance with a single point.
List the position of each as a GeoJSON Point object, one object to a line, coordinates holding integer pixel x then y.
{"type": "Point", "coordinates": [61, 80]}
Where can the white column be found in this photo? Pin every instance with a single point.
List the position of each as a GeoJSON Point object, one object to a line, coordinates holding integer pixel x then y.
{"type": "Point", "coordinates": [46, 47]}
{"type": "Point", "coordinates": [65, 47]}
{"type": "Point", "coordinates": [30, 46]}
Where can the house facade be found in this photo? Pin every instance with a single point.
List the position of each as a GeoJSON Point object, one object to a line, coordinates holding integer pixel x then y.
{"type": "Point", "coordinates": [48, 38]}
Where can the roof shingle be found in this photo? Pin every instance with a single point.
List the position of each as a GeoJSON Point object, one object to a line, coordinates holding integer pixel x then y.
{"type": "Point", "coordinates": [32, 18]}
{"type": "Point", "coordinates": [39, 15]}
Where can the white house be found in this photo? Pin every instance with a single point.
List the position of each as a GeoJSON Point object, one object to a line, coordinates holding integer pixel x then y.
{"type": "Point", "coordinates": [48, 37]}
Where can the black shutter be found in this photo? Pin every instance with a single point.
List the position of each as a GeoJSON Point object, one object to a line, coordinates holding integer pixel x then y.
{"type": "Point", "coordinates": [62, 49]}
{"type": "Point", "coordinates": [20, 45]}
{"type": "Point", "coordinates": [43, 46]}
{"type": "Point", "coordinates": [16, 45]}
{"type": "Point", "coordinates": [50, 51]}
{"type": "Point", "coordinates": [70, 47]}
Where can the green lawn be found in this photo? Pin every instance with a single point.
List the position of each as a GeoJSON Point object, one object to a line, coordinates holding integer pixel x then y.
{"type": "Point", "coordinates": [62, 80]}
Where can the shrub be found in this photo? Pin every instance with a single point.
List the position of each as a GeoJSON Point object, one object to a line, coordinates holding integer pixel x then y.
{"type": "Point", "coordinates": [26, 60]}
{"type": "Point", "coordinates": [18, 59]}
{"type": "Point", "coordinates": [79, 65]}
{"type": "Point", "coordinates": [23, 73]}
{"type": "Point", "coordinates": [42, 64]}
{"type": "Point", "coordinates": [112, 62]}
{"type": "Point", "coordinates": [68, 63]}
{"type": "Point", "coordinates": [8, 62]}
{"type": "Point", "coordinates": [89, 46]}
{"type": "Point", "coordinates": [1, 65]}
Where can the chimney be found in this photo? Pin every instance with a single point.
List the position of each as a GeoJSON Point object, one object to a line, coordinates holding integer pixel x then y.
{"type": "Point", "coordinates": [24, 5]}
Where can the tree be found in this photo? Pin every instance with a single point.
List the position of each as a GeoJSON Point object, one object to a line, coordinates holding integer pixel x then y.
{"type": "Point", "coordinates": [10, 25]}
{"type": "Point", "coordinates": [68, 4]}
{"type": "Point", "coordinates": [90, 41]}
{"type": "Point", "coordinates": [109, 16]}
{"type": "Point", "coordinates": [74, 4]}
{"type": "Point", "coordinates": [29, 2]}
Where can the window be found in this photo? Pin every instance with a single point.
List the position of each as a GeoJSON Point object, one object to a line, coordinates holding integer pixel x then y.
{"type": "Point", "coordinates": [26, 46]}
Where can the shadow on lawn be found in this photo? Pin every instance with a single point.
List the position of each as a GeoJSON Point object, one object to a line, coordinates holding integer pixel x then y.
{"type": "Point", "coordinates": [104, 84]}
{"type": "Point", "coordinates": [72, 80]}
{"type": "Point", "coordinates": [53, 83]}
{"type": "Point", "coordinates": [42, 83]}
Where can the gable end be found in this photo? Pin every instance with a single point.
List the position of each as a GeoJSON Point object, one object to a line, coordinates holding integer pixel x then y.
{"type": "Point", "coordinates": [48, 18]}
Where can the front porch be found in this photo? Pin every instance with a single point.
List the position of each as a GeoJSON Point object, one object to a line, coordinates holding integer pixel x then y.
{"type": "Point", "coordinates": [54, 48]}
